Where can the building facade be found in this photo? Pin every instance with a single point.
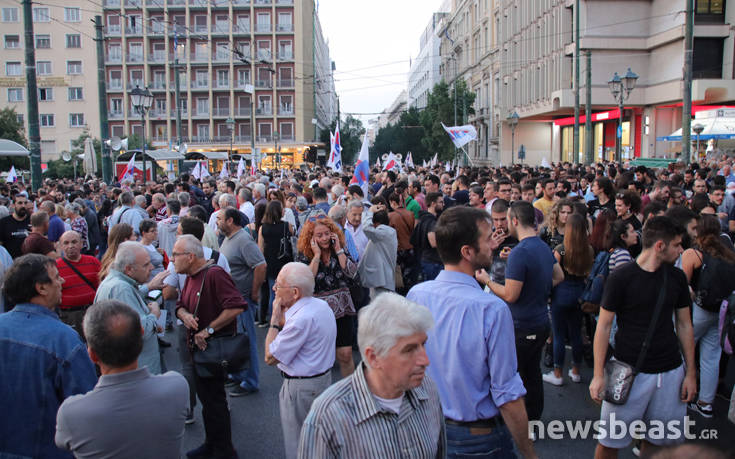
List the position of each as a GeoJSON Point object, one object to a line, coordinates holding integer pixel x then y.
{"type": "Point", "coordinates": [262, 65]}
{"type": "Point", "coordinates": [518, 56]}
{"type": "Point", "coordinates": [424, 73]}
{"type": "Point", "coordinates": [65, 58]}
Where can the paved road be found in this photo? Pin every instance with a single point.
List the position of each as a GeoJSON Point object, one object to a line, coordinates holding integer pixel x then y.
{"type": "Point", "coordinates": [256, 427]}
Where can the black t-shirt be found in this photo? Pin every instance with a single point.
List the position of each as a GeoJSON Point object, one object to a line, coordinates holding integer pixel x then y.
{"type": "Point", "coordinates": [420, 238]}
{"type": "Point", "coordinates": [595, 207]}
{"type": "Point", "coordinates": [631, 293]}
{"type": "Point", "coordinates": [461, 197]}
{"type": "Point", "coordinates": [13, 233]}
{"type": "Point", "coordinates": [497, 268]}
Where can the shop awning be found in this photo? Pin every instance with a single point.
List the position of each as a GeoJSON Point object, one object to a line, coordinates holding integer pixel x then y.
{"type": "Point", "coordinates": [10, 148]}
{"type": "Point", "coordinates": [719, 127]}
{"type": "Point", "coordinates": [153, 155]}
{"type": "Point", "coordinates": [652, 162]}
{"type": "Point", "coordinates": [213, 155]}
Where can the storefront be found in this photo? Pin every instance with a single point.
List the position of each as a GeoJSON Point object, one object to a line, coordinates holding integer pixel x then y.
{"type": "Point", "coordinates": [604, 127]}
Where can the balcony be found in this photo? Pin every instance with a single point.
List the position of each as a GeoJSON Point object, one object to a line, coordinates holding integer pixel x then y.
{"type": "Point", "coordinates": [264, 139]}
{"type": "Point", "coordinates": [263, 28]}
{"type": "Point", "coordinates": [133, 31]}
{"type": "Point", "coordinates": [222, 84]}
{"type": "Point", "coordinates": [221, 111]}
{"type": "Point", "coordinates": [203, 58]}
{"type": "Point", "coordinates": [240, 84]}
{"type": "Point", "coordinates": [285, 84]}
{"type": "Point", "coordinates": [115, 115]}
{"type": "Point", "coordinates": [157, 29]}
{"type": "Point", "coordinates": [285, 55]}
{"type": "Point", "coordinates": [198, 4]}
{"type": "Point", "coordinates": [157, 113]}
{"type": "Point", "coordinates": [200, 28]}
{"type": "Point", "coordinates": [241, 29]}
{"type": "Point", "coordinates": [113, 30]}
{"type": "Point", "coordinates": [157, 57]}
{"type": "Point", "coordinates": [287, 138]}
{"type": "Point", "coordinates": [114, 85]}
{"type": "Point", "coordinates": [132, 58]}
{"type": "Point", "coordinates": [184, 113]}
{"type": "Point", "coordinates": [242, 139]}
{"type": "Point", "coordinates": [284, 2]}
{"type": "Point", "coordinates": [220, 29]}
{"type": "Point", "coordinates": [154, 4]}
{"type": "Point", "coordinates": [285, 111]}
{"type": "Point", "coordinates": [200, 84]}
{"type": "Point", "coordinates": [201, 139]}
{"type": "Point", "coordinates": [112, 4]}
{"type": "Point", "coordinates": [264, 111]}
{"type": "Point", "coordinates": [222, 56]}
{"type": "Point", "coordinates": [114, 59]}
{"type": "Point", "coordinates": [240, 3]}
{"type": "Point", "coordinates": [157, 86]}
{"type": "Point", "coordinates": [263, 2]}
{"type": "Point", "coordinates": [201, 113]}
{"type": "Point", "coordinates": [133, 3]}
{"type": "Point", "coordinates": [284, 28]}
{"type": "Point", "coordinates": [176, 3]}
{"type": "Point", "coordinates": [134, 83]}
{"type": "Point", "coordinates": [264, 84]}
{"type": "Point", "coordinates": [242, 111]}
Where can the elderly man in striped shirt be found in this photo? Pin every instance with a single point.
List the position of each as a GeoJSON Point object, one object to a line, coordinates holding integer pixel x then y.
{"type": "Point", "coordinates": [387, 408]}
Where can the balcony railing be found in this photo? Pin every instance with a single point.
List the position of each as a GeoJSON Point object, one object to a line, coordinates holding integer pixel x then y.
{"type": "Point", "coordinates": [201, 113]}
{"type": "Point", "coordinates": [184, 113]}
{"type": "Point", "coordinates": [158, 29]}
{"type": "Point", "coordinates": [285, 55]}
{"type": "Point", "coordinates": [242, 111]}
{"type": "Point", "coordinates": [200, 28]}
{"type": "Point", "coordinates": [115, 115]}
{"type": "Point", "coordinates": [200, 84]}
{"type": "Point", "coordinates": [134, 58]}
{"type": "Point", "coordinates": [240, 2]}
{"type": "Point", "coordinates": [159, 57]}
{"type": "Point", "coordinates": [151, 4]}
{"type": "Point", "coordinates": [114, 85]}
{"type": "Point", "coordinates": [285, 111]}
{"type": "Point", "coordinates": [287, 138]}
{"type": "Point", "coordinates": [220, 29]}
{"type": "Point", "coordinates": [263, 28]}
{"type": "Point", "coordinates": [113, 58]}
{"type": "Point", "coordinates": [133, 3]}
{"type": "Point", "coordinates": [133, 30]}
{"type": "Point", "coordinates": [203, 57]}
{"type": "Point", "coordinates": [222, 56]}
{"type": "Point", "coordinates": [222, 84]}
{"type": "Point", "coordinates": [285, 83]}
{"type": "Point", "coordinates": [241, 28]}
{"type": "Point", "coordinates": [156, 113]}
{"type": "Point", "coordinates": [198, 3]}
{"type": "Point", "coordinates": [201, 139]}
{"type": "Point", "coordinates": [134, 83]}
{"type": "Point", "coordinates": [264, 111]}
{"type": "Point", "coordinates": [221, 111]}
{"type": "Point", "coordinates": [113, 29]}
{"type": "Point", "coordinates": [284, 2]}
{"type": "Point", "coordinates": [263, 83]}
{"type": "Point", "coordinates": [263, 2]}
{"type": "Point", "coordinates": [284, 28]}
{"type": "Point", "coordinates": [176, 3]}
{"type": "Point", "coordinates": [157, 85]}
{"type": "Point", "coordinates": [112, 3]}
{"type": "Point", "coordinates": [264, 139]}
{"type": "Point", "coordinates": [242, 139]}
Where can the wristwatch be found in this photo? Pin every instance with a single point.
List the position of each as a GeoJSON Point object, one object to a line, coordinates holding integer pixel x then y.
{"type": "Point", "coordinates": [340, 251]}
{"type": "Point", "coordinates": [210, 330]}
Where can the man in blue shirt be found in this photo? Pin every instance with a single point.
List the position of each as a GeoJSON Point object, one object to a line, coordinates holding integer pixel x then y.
{"type": "Point", "coordinates": [479, 386]}
{"type": "Point", "coordinates": [43, 359]}
{"type": "Point", "coordinates": [529, 275]}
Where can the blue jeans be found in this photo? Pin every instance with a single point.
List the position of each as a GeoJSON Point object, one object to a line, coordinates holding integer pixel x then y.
{"type": "Point", "coordinates": [566, 321]}
{"type": "Point", "coordinates": [430, 270]}
{"type": "Point", "coordinates": [498, 444]}
{"type": "Point", "coordinates": [706, 332]}
{"type": "Point", "coordinates": [246, 322]}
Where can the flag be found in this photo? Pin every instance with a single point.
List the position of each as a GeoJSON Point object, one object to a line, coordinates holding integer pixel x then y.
{"type": "Point", "coordinates": [335, 154]}
{"type": "Point", "coordinates": [377, 163]}
{"type": "Point", "coordinates": [224, 173]}
{"type": "Point", "coordinates": [240, 168]}
{"type": "Point", "coordinates": [203, 171]}
{"type": "Point", "coordinates": [12, 176]}
{"type": "Point", "coordinates": [409, 161]}
{"type": "Point", "coordinates": [44, 167]}
{"type": "Point", "coordinates": [362, 168]}
{"type": "Point", "coordinates": [448, 166]}
{"type": "Point", "coordinates": [461, 135]}
{"type": "Point", "coordinates": [423, 164]}
{"type": "Point", "coordinates": [128, 173]}
{"type": "Point", "coordinates": [391, 162]}
{"type": "Point", "coordinates": [196, 172]}
{"type": "Point", "coordinates": [434, 160]}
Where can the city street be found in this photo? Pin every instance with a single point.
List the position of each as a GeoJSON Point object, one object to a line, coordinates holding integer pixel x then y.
{"type": "Point", "coordinates": [256, 428]}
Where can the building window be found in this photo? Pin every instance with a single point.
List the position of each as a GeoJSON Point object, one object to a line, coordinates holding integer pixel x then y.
{"type": "Point", "coordinates": [41, 15]}
{"type": "Point", "coordinates": [47, 120]}
{"type": "Point", "coordinates": [76, 119]}
{"type": "Point", "coordinates": [13, 69]}
{"type": "Point", "coordinates": [73, 40]}
{"type": "Point", "coordinates": [75, 94]}
{"type": "Point", "coordinates": [43, 67]}
{"type": "Point", "coordinates": [72, 15]}
{"type": "Point", "coordinates": [15, 94]}
{"type": "Point", "coordinates": [20, 118]}
{"type": "Point", "coordinates": [73, 67]}
{"type": "Point", "coordinates": [45, 94]}
{"type": "Point", "coordinates": [43, 41]}
{"type": "Point", "coordinates": [12, 41]}
{"type": "Point", "coordinates": [709, 12]}
{"type": "Point", "coordinates": [707, 61]}
{"type": "Point", "coordinates": [10, 14]}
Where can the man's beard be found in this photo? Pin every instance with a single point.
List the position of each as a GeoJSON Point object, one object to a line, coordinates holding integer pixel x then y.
{"type": "Point", "coordinates": [22, 213]}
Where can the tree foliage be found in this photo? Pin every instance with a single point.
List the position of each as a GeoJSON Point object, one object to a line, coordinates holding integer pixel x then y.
{"type": "Point", "coordinates": [12, 129]}
{"type": "Point", "coordinates": [430, 137]}
{"type": "Point", "coordinates": [350, 132]}
{"type": "Point", "coordinates": [60, 168]}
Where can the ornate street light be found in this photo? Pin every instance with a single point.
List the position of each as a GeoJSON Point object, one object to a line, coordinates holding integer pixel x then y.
{"type": "Point", "coordinates": [513, 119]}
{"type": "Point", "coordinates": [698, 128]}
{"type": "Point", "coordinates": [141, 100]}
{"type": "Point", "coordinates": [620, 88]}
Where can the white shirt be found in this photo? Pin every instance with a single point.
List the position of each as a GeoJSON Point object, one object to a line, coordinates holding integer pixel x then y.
{"type": "Point", "coordinates": [177, 280]}
{"type": "Point", "coordinates": [358, 236]}
{"type": "Point", "coordinates": [305, 346]}
{"type": "Point", "coordinates": [249, 210]}
{"type": "Point", "coordinates": [213, 220]}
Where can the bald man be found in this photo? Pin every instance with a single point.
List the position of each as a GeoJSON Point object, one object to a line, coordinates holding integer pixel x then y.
{"type": "Point", "coordinates": [81, 279]}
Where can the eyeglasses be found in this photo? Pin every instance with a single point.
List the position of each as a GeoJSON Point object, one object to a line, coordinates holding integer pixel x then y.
{"type": "Point", "coordinates": [176, 254]}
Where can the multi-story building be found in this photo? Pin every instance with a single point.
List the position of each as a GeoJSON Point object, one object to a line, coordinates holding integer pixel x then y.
{"type": "Point", "coordinates": [392, 114]}
{"type": "Point", "coordinates": [65, 54]}
{"type": "Point", "coordinates": [424, 73]}
{"type": "Point", "coordinates": [263, 64]}
{"type": "Point", "coordinates": [518, 56]}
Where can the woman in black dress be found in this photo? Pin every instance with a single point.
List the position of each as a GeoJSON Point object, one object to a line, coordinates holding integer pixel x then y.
{"type": "Point", "coordinates": [274, 240]}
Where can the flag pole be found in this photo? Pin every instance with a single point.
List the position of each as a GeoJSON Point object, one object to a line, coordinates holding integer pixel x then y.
{"type": "Point", "coordinates": [468, 157]}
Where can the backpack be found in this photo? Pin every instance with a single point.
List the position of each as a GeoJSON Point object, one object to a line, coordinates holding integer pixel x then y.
{"type": "Point", "coordinates": [595, 283]}
{"type": "Point", "coordinates": [215, 256]}
{"type": "Point", "coordinates": [715, 283]}
{"type": "Point", "coordinates": [726, 326]}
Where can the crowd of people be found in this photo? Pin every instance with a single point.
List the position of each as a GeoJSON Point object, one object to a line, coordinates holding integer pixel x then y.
{"type": "Point", "coordinates": [458, 287]}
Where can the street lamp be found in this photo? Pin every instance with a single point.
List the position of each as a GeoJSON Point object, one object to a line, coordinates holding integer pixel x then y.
{"type": "Point", "coordinates": [513, 119]}
{"type": "Point", "coordinates": [141, 100]}
{"type": "Point", "coordinates": [621, 88]}
{"type": "Point", "coordinates": [698, 128]}
{"type": "Point", "coordinates": [277, 155]}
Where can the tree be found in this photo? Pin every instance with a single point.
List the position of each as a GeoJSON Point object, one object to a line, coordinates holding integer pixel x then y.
{"type": "Point", "coordinates": [406, 135]}
{"type": "Point", "coordinates": [440, 108]}
{"type": "Point", "coordinates": [12, 129]}
{"type": "Point", "coordinates": [60, 168]}
{"type": "Point", "coordinates": [350, 133]}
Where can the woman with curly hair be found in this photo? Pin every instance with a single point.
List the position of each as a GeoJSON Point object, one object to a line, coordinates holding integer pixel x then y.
{"type": "Point", "coordinates": [601, 229]}
{"type": "Point", "coordinates": [552, 233]}
{"type": "Point", "coordinates": [118, 234]}
{"type": "Point", "coordinates": [321, 246]}
{"type": "Point", "coordinates": [709, 262]}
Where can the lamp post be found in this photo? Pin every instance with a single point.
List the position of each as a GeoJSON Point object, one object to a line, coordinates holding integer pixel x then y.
{"type": "Point", "coordinates": [698, 128]}
{"type": "Point", "coordinates": [513, 122]}
{"type": "Point", "coordinates": [141, 100]}
{"type": "Point", "coordinates": [621, 89]}
{"type": "Point", "coordinates": [277, 155]}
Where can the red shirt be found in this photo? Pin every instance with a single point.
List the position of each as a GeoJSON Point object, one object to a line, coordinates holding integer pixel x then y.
{"type": "Point", "coordinates": [75, 292]}
{"type": "Point", "coordinates": [219, 293]}
{"type": "Point", "coordinates": [37, 243]}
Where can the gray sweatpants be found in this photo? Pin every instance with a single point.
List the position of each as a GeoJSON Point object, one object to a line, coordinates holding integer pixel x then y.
{"type": "Point", "coordinates": [295, 401]}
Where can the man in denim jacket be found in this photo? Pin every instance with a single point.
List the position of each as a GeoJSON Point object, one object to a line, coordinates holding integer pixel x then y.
{"type": "Point", "coordinates": [42, 360]}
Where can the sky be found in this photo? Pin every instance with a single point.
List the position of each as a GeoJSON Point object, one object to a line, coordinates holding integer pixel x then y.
{"type": "Point", "coordinates": [371, 44]}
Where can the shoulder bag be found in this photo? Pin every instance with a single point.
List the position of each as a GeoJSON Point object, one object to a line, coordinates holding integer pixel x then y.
{"type": "Point", "coordinates": [223, 354]}
{"type": "Point", "coordinates": [619, 376]}
{"type": "Point", "coordinates": [79, 273]}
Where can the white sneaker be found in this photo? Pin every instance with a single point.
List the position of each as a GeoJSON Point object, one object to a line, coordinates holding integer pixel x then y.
{"type": "Point", "coordinates": [575, 378]}
{"type": "Point", "coordinates": [552, 379]}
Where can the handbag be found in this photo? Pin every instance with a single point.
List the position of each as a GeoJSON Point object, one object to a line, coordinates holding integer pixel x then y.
{"type": "Point", "coordinates": [285, 250]}
{"type": "Point", "coordinates": [619, 376]}
{"type": "Point", "coordinates": [223, 354]}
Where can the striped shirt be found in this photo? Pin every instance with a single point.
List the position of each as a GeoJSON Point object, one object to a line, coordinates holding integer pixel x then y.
{"type": "Point", "coordinates": [346, 421]}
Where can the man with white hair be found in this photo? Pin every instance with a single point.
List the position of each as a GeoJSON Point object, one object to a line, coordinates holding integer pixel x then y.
{"type": "Point", "coordinates": [353, 225]}
{"type": "Point", "coordinates": [301, 342]}
{"type": "Point", "coordinates": [184, 199]}
{"type": "Point", "coordinates": [141, 203]}
{"type": "Point", "coordinates": [125, 213]}
{"type": "Point", "coordinates": [338, 214]}
{"type": "Point", "coordinates": [126, 282]}
{"type": "Point", "coordinates": [244, 196]}
{"type": "Point", "coordinates": [158, 206]}
{"type": "Point", "coordinates": [387, 408]}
